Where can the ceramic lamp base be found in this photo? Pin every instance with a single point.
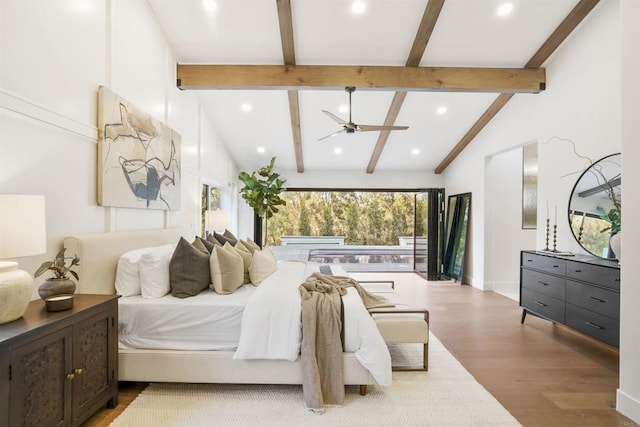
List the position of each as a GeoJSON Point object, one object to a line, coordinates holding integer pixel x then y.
{"type": "Point", "coordinates": [15, 291]}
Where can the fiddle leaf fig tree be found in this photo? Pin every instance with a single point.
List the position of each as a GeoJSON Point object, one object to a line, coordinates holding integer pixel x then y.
{"type": "Point", "coordinates": [262, 190]}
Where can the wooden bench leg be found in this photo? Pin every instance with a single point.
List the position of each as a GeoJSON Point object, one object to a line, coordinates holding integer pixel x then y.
{"type": "Point", "coordinates": [363, 390]}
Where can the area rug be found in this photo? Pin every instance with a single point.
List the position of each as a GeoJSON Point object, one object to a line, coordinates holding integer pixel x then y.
{"type": "Point", "coordinates": [446, 395]}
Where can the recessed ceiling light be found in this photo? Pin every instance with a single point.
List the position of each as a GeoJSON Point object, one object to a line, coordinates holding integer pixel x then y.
{"type": "Point", "coordinates": [343, 108]}
{"type": "Point", "coordinates": [337, 150]}
{"type": "Point", "coordinates": [358, 7]}
{"type": "Point", "coordinates": [246, 107]}
{"type": "Point", "coordinates": [441, 109]}
{"type": "Point", "coordinates": [504, 9]}
{"type": "Point", "coordinates": [261, 150]}
{"type": "Point", "coordinates": [415, 151]}
{"type": "Point", "coordinates": [210, 5]}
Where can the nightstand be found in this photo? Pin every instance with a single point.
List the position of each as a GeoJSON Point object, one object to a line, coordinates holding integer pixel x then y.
{"type": "Point", "coordinates": [58, 368]}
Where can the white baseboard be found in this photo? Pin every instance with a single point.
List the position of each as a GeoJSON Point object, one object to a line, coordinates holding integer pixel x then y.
{"type": "Point", "coordinates": [628, 406]}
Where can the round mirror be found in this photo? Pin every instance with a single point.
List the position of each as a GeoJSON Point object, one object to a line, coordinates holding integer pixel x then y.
{"type": "Point", "coordinates": [594, 206]}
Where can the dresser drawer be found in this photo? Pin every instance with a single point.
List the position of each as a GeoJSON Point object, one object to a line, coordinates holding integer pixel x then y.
{"type": "Point", "coordinates": [542, 304]}
{"type": "Point", "coordinates": [592, 298]}
{"type": "Point", "coordinates": [544, 283]}
{"type": "Point", "coordinates": [598, 326]}
{"type": "Point", "coordinates": [544, 263]}
{"type": "Point", "coordinates": [599, 275]}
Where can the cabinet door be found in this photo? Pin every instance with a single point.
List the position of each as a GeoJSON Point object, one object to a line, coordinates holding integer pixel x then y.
{"type": "Point", "coordinates": [93, 381]}
{"type": "Point", "coordinates": [39, 392]}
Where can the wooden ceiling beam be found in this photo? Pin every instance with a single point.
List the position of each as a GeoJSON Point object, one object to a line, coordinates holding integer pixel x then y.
{"type": "Point", "coordinates": [289, 54]}
{"type": "Point", "coordinates": [396, 104]}
{"type": "Point", "coordinates": [427, 24]}
{"type": "Point", "coordinates": [336, 77]}
{"type": "Point", "coordinates": [566, 27]}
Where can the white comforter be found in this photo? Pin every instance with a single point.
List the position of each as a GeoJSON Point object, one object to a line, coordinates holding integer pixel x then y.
{"type": "Point", "coordinates": [272, 329]}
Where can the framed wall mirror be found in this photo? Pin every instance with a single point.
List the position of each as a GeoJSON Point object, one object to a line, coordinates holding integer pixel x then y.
{"type": "Point", "coordinates": [458, 213]}
{"type": "Point", "coordinates": [594, 206]}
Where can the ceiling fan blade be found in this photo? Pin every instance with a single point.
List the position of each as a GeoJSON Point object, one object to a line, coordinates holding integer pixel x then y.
{"type": "Point", "coordinates": [334, 117]}
{"type": "Point", "coordinates": [333, 134]}
{"type": "Point", "coordinates": [368, 128]}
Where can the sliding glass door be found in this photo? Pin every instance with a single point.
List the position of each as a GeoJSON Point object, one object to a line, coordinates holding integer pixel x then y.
{"type": "Point", "coordinates": [428, 233]}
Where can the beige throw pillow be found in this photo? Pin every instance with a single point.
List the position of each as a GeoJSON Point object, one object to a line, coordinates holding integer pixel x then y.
{"type": "Point", "coordinates": [227, 270]}
{"type": "Point", "coordinates": [246, 259]}
{"type": "Point", "coordinates": [263, 264]}
{"type": "Point", "coordinates": [250, 245]}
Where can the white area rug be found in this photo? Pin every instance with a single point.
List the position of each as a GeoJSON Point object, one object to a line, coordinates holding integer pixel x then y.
{"type": "Point", "coordinates": [446, 395]}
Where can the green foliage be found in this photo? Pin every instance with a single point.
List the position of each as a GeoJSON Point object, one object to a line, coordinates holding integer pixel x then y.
{"type": "Point", "coordinates": [327, 214]}
{"type": "Point", "coordinates": [262, 190]}
{"type": "Point", "coordinates": [353, 223]}
{"type": "Point", "coordinates": [304, 228]}
{"type": "Point", "coordinates": [374, 215]}
{"type": "Point", "coordinates": [612, 217]}
{"type": "Point", "coordinates": [59, 266]}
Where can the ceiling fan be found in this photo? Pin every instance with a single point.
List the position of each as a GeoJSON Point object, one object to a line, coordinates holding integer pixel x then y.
{"type": "Point", "coordinates": [350, 127]}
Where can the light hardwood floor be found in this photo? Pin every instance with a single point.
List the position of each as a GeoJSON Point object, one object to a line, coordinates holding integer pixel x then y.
{"type": "Point", "coordinates": [545, 374]}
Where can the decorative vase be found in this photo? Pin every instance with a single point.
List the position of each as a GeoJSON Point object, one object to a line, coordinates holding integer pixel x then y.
{"type": "Point", "coordinates": [52, 287]}
{"type": "Point", "coordinates": [614, 244]}
{"type": "Point", "coordinates": [15, 291]}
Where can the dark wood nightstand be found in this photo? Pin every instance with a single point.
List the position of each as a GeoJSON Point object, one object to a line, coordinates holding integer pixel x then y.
{"type": "Point", "coordinates": [58, 368]}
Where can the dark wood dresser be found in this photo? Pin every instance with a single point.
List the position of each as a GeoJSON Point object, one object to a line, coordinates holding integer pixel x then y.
{"type": "Point", "coordinates": [58, 368]}
{"type": "Point", "coordinates": [582, 292]}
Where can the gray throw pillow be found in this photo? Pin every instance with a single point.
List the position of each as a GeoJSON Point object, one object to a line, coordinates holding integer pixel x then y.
{"type": "Point", "coordinates": [223, 239]}
{"type": "Point", "coordinates": [207, 244]}
{"type": "Point", "coordinates": [189, 272]}
{"type": "Point", "coordinates": [229, 235]}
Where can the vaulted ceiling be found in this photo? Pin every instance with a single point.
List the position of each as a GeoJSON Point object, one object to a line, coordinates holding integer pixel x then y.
{"type": "Point", "coordinates": [264, 69]}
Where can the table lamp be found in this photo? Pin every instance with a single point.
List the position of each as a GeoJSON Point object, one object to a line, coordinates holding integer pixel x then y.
{"type": "Point", "coordinates": [22, 233]}
{"type": "Point", "coordinates": [218, 220]}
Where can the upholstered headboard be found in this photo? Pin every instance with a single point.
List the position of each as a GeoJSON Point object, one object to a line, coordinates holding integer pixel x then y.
{"type": "Point", "coordinates": [99, 254]}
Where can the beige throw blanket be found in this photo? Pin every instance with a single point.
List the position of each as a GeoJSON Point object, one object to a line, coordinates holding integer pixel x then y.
{"type": "Point", "coordinates": [321, 351]}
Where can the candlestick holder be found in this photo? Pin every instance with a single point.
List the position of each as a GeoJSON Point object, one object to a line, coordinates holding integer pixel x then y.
{"type": "Point", "coordinates": [546, 246]}
{"type": "Point", "coordinates": [555, 237]}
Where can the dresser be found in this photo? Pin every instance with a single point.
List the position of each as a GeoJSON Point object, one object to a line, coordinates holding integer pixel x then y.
{"type": "Point", "coordinates": [58, 368]}
{"type": "Point", "coordinates": [582, 292]}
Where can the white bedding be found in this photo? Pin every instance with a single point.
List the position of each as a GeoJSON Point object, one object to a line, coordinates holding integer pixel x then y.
{"type": "Point", "coordinates": [271, 323]}
{"type": "Point", "coordinates": [207, 321]}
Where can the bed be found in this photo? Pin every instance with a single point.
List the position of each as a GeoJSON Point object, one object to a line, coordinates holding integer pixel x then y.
{"type": "Point", "coordinates": [99, 254]}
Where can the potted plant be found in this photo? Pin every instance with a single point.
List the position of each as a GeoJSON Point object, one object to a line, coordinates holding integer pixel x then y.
{"type": "Point", "coordinates": [60, 284]}
{"type": "Point", "coordinates": [261, 191]}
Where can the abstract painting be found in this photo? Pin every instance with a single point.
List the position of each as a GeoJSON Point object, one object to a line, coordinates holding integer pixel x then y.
{"type": "Point", "coordinates": [138, 157]}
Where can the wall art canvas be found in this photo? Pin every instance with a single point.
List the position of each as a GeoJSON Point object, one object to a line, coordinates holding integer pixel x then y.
{"type": "Point", "coordinates": [530, 186]}
{"type": "Point", "coordinates": [138, 157]}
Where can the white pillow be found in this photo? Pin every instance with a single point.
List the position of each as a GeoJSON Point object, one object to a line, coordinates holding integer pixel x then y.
{"type": "Point", "coordinates": [128, 273]}
{"type": "Point", "coordinates": [154, 272]}
{"type": "Point", "coordinates": [262, 265]}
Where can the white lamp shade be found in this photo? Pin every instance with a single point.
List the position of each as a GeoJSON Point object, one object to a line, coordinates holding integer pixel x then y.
{"type": "Point", "coordinates": [22, 225]}
{"type": "Point", "coordinates": [218, 220]}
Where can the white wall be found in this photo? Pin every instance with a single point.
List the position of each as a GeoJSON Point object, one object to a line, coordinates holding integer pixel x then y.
{"type": "Point", "coordinates": [581, 102]}
{"type": "Point", "coordinates": [504, 236]}
{"type": "Point", "coordinates": [628, 401]}
{"type": "Point", "coordinates": [54, 56]}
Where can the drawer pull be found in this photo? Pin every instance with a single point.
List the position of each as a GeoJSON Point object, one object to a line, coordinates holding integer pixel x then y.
{"type": "Point", "coordinates": [594, 325]}
{"type": "Point", "coordinates": [596, 299]}
{"type": "Point", "coordinates": [529, 260]}
{"type": "Point", "coordinates": [543, 283]}
{"type": "Point", "coordinates": [617, 279]}
{"type": "Point", "coordinates": [541, 303]}
{"type": "Point", "coordinates": [578, 271]}
{"type": "Point", "coordinates": [556, 266]}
